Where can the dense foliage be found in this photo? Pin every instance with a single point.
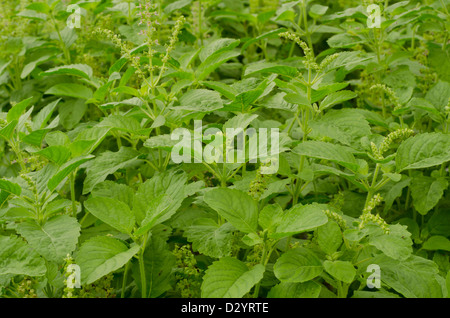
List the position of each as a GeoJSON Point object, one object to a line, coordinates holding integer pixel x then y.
{"type": "Point", "coordinates": [93, 204]}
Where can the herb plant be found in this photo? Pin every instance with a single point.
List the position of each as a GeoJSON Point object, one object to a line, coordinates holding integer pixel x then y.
{"type": "Point", "coordinates": [97, 96]}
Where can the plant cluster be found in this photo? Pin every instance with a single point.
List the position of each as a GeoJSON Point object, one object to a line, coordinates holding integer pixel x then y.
{"type": "Point", "coordinates": [91, 93]}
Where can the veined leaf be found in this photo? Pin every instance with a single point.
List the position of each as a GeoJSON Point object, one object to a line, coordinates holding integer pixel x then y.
{"type": "Point", "coordinates": [336, 98]}
{"type": "Point", "coordinates": [56, 238]}
{"type": "Point", "coordinates": [230, 278]}
{"type": "Point", "coordinates": [18, 258]}
{"type": "Point", "coordinates": [327, 151]}
{"type": "Point", "coordinates": [159, 262]}
{"type": "Point", "coordinates": [107, 163]}
{"type": "Point", "coordinates": [81, 70]}
{"type": "Point", "coordinates": [308, 289]}
{"type": "Point", "coordinates": [66, 169]}
{"type": "Point", "coordinates": [71, 90]}
{"type": "Point", "coordinates": [342, 270]}
{"type": "Point", "coordinates": [113, 212]}
{"type": "Point", "coordinates": [426, 192]}
{"type": "Point", "coordinates": [423, 151]}
{"type": "Point", "coordinates": [301, 218]}
{"type": "Point", "coordinates": [209, 238]}
{"type": "Point", "coordinates": [235, 206]}
{"type": "Point", "coordinates": [102, 255]}
{"type": "Point", "coordinates": [57, 154]}
{"type": "Point", "coordinates": [297, 266]}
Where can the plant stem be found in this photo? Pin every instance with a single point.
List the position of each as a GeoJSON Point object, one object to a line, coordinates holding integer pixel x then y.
{"type": "Point", "coordinates": [124, 281]}
{"type": "Point", "coordinates": [72, 193]}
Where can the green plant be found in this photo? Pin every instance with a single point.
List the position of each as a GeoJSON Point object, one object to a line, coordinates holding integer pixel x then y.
{"type": "Point", "coordinates": [92, 119]}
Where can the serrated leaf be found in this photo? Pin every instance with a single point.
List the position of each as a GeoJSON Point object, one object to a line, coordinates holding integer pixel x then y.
{"type": "Point", "coordinates": [71, 90]}
{"type": "Point", "coordinates": [107, 163]}
{"type": "Point", "coordinates": [54, 239]}
{"type": "Point", "coordinates": [437, 242]}
{"type": "Point", "coordinates": [235, 206]}
{"type": "Point", "coordinates": [301, 218]}
{"type": "Point", "coordinates": [16, 111]}
{"type": "Point", "coordinates": [81, 70]}
{"type": "Point", "coordinates": [159, 263]}
{"type": "Point", "coordinates": [327, 151]}
{"type": "Point", "coordinates": [329, 237]}
{"type": "Point", "coordinates": [230, 278]}
{"type": "Point", "coordinates": [200, 100]}
{"type": "Point", "coordinates": [18, 258]}
{"type": "Point", "coordinates": [158, 199]}
{"type": "Point", "coordinates": [297, 266]}
{"type": "Point", "coordinates": [423, 151]}
{"type": "Point", "coordinates": [209, 238]}
{"type": "Point", "coordinates": [426, 192]}
{"type": "Point", "coordinates": [413, 278]}
{"type": "Point", "coordinates": [341, 270]}
{"type": "Point", "coordinates": [308, 289]}
{"type": "Point", "coordinates": [66, 169]}
{"type": "Point", "coordinates": [336, 98]}
{"type": "Point", "coordinates": [113, 212]}
{"type": "Point", "coordinates": [397, 244]}
{"type": "Point", "coordinates": [102, 255]}
{"type": "Point", "coordinates": [56, 154]}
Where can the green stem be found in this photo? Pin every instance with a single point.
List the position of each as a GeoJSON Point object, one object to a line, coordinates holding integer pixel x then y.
{"type": "Point", "coordinates": [72, 193]}
{"type": "Point", "coordinates": [124, 281]}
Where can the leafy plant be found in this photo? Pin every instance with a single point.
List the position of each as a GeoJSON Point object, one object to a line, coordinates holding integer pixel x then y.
{"type": "Point", "coordinates": [97, 98]}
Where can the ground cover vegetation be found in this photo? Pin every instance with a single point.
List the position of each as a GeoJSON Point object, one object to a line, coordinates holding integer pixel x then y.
{"type": "Point", "coordinates": [93, 204]}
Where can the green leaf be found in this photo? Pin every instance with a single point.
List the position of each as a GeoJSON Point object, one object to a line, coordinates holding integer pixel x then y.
{"type": "Point", "coordinates": [426, 192]}
{"type": "Point", "coordinates": [54, 239]}
{"type": "Point", "coordinates": [10, 187]}
{"type": "Point", "coordinates": [66, 169]}
{"type": "Point", "coordinates": [263, 67]}
{"type": "Point", "coordinates": [439, 95]}
{"type": "Point", "coordinates": [336, 98]}
{"type": "Point", "coordinates": [437, 242]}
{"type": "Point", "coordinates": [301, 218]}
{"type": "Point", "coordinates": [71, 90]}
{"type": "Point", "coordinates": [176, 6]}
{"type": "Point", "coordinates": [235, 206]}
{"type": "Point", "coordinates": [158, 199]}
{"type": "Point", "coordinates": [18, 258]}
{"type": "Point", "coordinates": [122, 123]}
{"type": "Point", "coordinates": [327, 151]}
{"type": "Point", "coordinates": [415, 277]}
{"type": "Point", "coordinates": [341, 270]}
{"type": "Point", "coordinates": [81, 70]}
{"type": "Point", "coordinates": [329, 237]}
{"type": "Point", "coordinates": [113, 212]}
{"type": "Point", "coordinates": [216, 59]}
{"type": "Point", "coordinates": [230, 278]}
{"type": "Point", "coordinates": [16, 111]}
{"type": "Point", "coordinates": [114, 190]}
{"type": "Point", "coordinates": [209, 238]}
{"type": "Point", "coordinates": [423, 151]}
{"type": "Point", "coordinates": [102, 255]}
{"type": "Point", "coordinates": [107, 163]}
{"type": "Point", "coordinates": [159, 263]}
{"type": "Point", "coordinates": [44, 115]}
{"type": "Point", "coordinates": [200, 100]}
{"type": "Point", "coordinates": [71, 112]}
{"type": "Point", "coordinates": [270, 217]}
{"type": "Point", "coordinates": [308, 289]}
{"type": "Point", "coordinates": [397, 244]}
{"type": "Point", "coordinates": [297, 266]}
{"type": "Point", "coordinates": [226, 90]}
{"type": "Point", "coordinates": [7, 131]}
{"type": "Point", "coordinates": [56, 154]}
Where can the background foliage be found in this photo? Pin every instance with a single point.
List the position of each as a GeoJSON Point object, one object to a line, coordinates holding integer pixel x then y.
{"type": "Point", "coordinates": [87, 178]}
